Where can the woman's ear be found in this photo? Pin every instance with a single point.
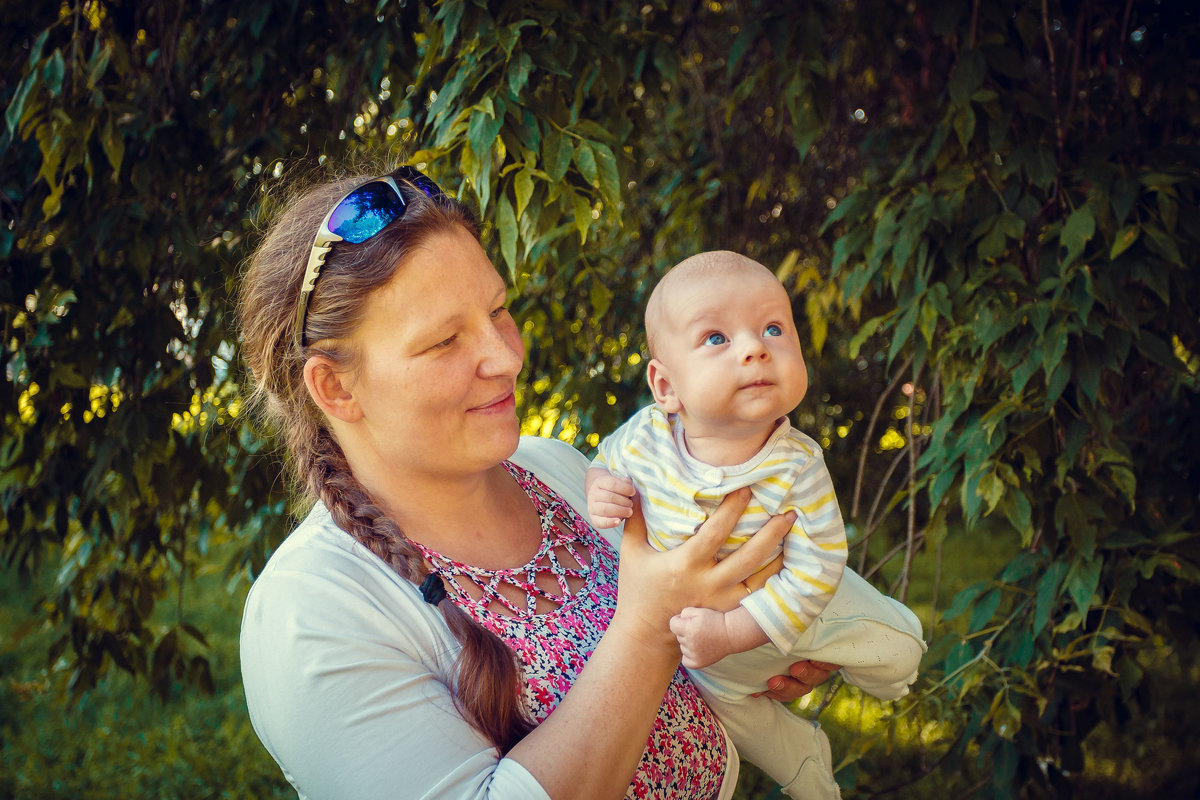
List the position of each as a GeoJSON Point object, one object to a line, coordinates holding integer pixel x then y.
{"type": "Point", "coordinates": [329, 389]}
{"type": "Point", "coordinates": [661, 388]}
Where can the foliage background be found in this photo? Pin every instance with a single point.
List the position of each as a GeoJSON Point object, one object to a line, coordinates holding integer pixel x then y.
{"type": "Point", "coordinates": [986, 213]}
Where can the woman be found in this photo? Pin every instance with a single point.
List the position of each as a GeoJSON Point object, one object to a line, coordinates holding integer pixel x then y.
{"type": "Point", "coordinates": [413, 635]}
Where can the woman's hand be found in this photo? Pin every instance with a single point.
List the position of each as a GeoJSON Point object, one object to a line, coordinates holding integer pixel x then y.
{"type": "Point", "coordinates": [803, 678]}
{"type": "Point", "coordinates": [656, 586]}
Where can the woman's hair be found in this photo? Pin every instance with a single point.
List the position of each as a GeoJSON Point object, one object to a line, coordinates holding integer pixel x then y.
{"type": "Point", "coordinates": [488, 686]}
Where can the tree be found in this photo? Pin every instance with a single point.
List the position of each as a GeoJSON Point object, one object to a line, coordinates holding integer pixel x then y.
{"type": "Point", "coordinates": [993, 204]}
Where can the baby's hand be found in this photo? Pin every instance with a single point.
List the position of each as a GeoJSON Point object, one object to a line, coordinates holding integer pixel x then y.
{"type": "Point", "coordinates": [609, 498]}
{"type": "Point", "coordinates": [703, 636]}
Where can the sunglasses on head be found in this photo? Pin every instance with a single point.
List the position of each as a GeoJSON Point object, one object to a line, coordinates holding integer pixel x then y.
{"type": "Point", "coordinates": [360, 215]}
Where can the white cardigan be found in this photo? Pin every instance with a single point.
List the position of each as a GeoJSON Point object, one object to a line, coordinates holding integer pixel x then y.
{"type": "Point", "coordinates": [347, 669]}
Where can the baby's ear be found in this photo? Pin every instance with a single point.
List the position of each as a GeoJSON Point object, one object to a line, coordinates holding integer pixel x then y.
{"type": "Point", "coordinates": [661, 388]}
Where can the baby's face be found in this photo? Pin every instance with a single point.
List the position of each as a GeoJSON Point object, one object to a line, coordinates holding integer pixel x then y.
{"type": "Point", "coordinates": [730, 348]}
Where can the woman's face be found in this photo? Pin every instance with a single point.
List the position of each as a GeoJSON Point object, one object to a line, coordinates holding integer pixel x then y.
{"type": "Point", "coordinates": [439, 361]}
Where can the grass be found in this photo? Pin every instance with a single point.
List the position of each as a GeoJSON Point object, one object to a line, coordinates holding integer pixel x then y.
{"type": "Point", "coordinates": [119, 740]}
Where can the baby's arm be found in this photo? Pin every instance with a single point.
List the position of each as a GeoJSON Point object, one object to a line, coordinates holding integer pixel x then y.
{"type": "Point", "coordinates": [706, 636]}
{"type": "Point", "coordinates": [814, 555]}
{"type": "Point", "coordinates": [609, 498]}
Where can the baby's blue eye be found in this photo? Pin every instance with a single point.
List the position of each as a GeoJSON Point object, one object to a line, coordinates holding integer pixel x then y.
{"type": "Point", "coordinates": [773, 330]}
{"type": "Point", "coordinates": [715, 339]}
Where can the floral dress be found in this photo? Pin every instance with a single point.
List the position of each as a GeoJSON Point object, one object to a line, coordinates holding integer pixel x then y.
{"type": "Point", "coordinates": [686, 754]}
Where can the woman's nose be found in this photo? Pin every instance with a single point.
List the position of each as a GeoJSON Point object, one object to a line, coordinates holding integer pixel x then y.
{"type": "Point", "coordinates": [502, 352]}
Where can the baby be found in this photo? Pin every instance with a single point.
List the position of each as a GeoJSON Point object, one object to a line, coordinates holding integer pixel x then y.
{"type": "Point", "coordinates": [726, 369]}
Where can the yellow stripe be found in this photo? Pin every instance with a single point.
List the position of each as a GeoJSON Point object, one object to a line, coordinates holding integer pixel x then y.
{"type": "Point", "coordinates": [658, 502]}
{"type": "Point", "coordinates": [660, 543]}
{"type": "Point", "coordinates": [797, 623]}
{"type": "Point", "coordinates": [776, 481]}
{"type": "Point", "coordinates": [811, 507]}
{"type": "Point", "coordinates": [825, 588]}
{"type": "Point", "coordinates": [680, 486]}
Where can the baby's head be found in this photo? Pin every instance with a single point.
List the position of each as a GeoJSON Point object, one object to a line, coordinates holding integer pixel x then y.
{"type": "Point", "coordinates": [723, 345]}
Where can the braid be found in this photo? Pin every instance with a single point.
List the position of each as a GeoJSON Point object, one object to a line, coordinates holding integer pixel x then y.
{"type": "Point", "coordinates": [488, 681]}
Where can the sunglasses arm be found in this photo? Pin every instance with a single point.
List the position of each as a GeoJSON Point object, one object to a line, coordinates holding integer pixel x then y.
{"type": "Point", "coordinates": [316, 260]}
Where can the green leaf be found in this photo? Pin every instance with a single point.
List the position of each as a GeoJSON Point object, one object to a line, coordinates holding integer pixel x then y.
{"type": "Point", "coordinates": [583, 215]}
{"type": "Point", "coordinates": [523, 188]}
{"type": "Point", "coordinates": [865, 332]}
{"type": "Point", "coordinates": [966, 77]}
{"type": "Point", "coordinates": [1021, 567]}
{"type": "Point", "coordinates": [1025, 370]}
{"type": "Point", "coordinates": [991, 489]}
{"type": "Point", "coordinates": [964, 126]}
{"type": "Point", "coordinates": [518, 73]}
{"type": "Point", "coordinates": [1006, 718]}
{"type": "Point", "coordinates": [557, 152]}
{"type": "Point", "coordinates": [482, 133]}
{"type": "Point", "coordinates": [585, 159]}
{"type": "Point", "coordinates": [113, 143]}
{"type": "Point", "coordinates": [16, 107]}
{"type": "Point", "coordinates": [1047, 593]}
{"type": "Point", "coordinates": [448, 94]}
{"type": "Point", "coordinates": [928, 322]}
{"type": "Point", "coordinates": [1083, 580]}
{"type": "Point", "coordinates": [610, 182]}
{"type": "Point", "coordinates": [1076, 233]}
{"type": "Point", "coordinates": [1058, 381]}
{"type": "Point", "coordinates": [904, 329]}
{"type": "Point", "coordinates": [963, 600]}
{"type": "Point", "coordinates": [52, 73]}
{"type": "Point", "coordinates": [506, 221]}
{"type": "Point", "coordinates": [1161, 243]}
{"type": "Point", "coordinates": [1019, 513]}
{"type": "Point", "coordinates": [1124, 193]}
{"type": "Point", "coordinates": [991, 246]}
{"type": "Point", "coordinates": [849, 207]}
{"type": "Point", "coordinates": [1072, 516]}
{"type": "Point", "coordinates": [1087, 371]}
{"type": "Point", "coordinates": [984, 610]}
{"type": "Point", "coordinates": [600, 297]}
{"type": "Point", "coordinates": [745, 38]}
{"type": "Point", "coordinates": [1125, 481]}
{"type": "Point", "coordinates": [1124, 238]}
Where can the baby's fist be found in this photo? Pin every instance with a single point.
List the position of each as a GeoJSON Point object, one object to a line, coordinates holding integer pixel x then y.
{"type": "Point", "coordinates": [609, 498]}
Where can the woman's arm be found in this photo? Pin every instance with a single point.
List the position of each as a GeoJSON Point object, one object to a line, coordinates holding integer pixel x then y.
{"type": "Point", "coordinates": [591, 744]}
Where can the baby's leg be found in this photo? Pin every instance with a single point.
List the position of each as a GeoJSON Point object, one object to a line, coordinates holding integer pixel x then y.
{"type": "Point", "coordinates": [794, 751]}
{"type": "Point", "coordinates": [876, 639]}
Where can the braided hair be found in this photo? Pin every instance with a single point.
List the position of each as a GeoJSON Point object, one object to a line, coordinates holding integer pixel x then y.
{"type": "Point", "coordinates": [487, 689]}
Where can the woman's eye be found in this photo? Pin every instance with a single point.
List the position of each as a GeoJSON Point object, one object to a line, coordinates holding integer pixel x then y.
{"type": "Point", "coordinates": [499, 312]}
{"type": "Point", "coordinates": [715, 339]}
{"type": "Point", "coordinates": [773, 330]}
{"type": "Point", "coordinates": [444, 343]}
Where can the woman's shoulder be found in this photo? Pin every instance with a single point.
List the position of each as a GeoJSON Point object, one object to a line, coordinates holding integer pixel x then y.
{"type": "Point", "coordinates": [322, 575]}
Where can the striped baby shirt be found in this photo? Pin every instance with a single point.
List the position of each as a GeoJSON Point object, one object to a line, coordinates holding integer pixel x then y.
{"type": "Point", "coordinates": [679, 492]}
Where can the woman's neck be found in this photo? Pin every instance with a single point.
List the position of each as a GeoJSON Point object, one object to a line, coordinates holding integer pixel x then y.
{"type": "Point", "coordinates": [483, 519]}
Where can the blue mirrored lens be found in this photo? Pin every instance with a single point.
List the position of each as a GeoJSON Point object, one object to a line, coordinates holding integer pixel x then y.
{"type": "Point", "coordinates": [419, 180]}
{"type": "Point", "coordinates": [366, 211]}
